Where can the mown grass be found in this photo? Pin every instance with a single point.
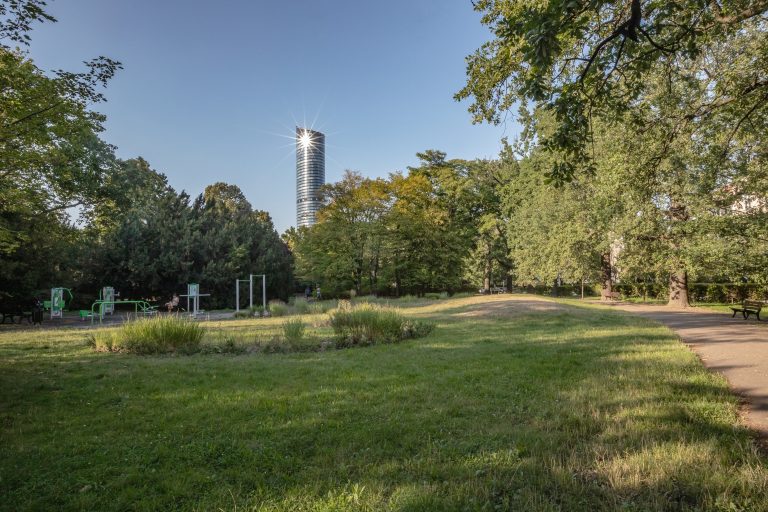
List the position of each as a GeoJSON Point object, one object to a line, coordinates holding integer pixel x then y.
{"type": "Point", "coordinates": [507, 405]}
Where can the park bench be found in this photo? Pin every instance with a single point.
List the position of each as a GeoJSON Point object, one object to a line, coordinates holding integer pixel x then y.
{"type": "Point", "coordinates": [748, 307]}
{"type": "Point", "coordinates": [610, 295]}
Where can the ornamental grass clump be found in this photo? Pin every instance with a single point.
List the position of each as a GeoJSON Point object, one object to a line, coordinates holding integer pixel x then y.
{"type": "Point", "coordinates": [367, 324]}
{"type": "Point", "coordinates": [293, 330]}
{"type": "Point", "coordinates": [158, 335]}
{"type": "Point", "coordinates": [279, 308]}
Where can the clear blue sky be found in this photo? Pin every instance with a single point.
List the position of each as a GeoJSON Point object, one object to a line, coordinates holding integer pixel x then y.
{"type": "Point", "coordinates": [211, 90]}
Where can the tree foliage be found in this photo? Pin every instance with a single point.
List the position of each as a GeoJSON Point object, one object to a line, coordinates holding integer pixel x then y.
{"type": "Point", "coordinates": [578, 59]}
{"type": "Point", "coordinates": [409, 233]}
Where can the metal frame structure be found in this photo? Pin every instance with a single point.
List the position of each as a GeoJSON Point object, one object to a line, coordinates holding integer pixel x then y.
{"type": "Point", "coordinates": [250, 291]}
{"type": "Point", "coordinates": [193, 294]}
{"type": "Point", "coordinates": [142, 305]}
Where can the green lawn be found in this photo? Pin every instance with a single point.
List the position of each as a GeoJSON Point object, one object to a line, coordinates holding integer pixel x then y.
{"type": "Point", "coordinates": [507, 405]}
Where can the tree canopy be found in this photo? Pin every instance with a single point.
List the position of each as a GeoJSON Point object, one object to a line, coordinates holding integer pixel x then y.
{"type": "Point", "coordinates": [579, 59]}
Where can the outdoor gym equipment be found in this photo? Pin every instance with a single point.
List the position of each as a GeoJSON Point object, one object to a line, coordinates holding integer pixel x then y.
{"type": "Point", "coordinates": [193, 298]}
{"type": "Point", "coordinates": [139, 306]}
{"type": "Point", "coordinates": [107, 294]}
{"type": "Point", "coordinates": [57, 301]}
{"type": "Point", "coordinates": [250, 291]}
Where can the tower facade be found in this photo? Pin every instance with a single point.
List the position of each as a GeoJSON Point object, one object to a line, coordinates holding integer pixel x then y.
{"type": "Point", "coordinates": [310, 174]}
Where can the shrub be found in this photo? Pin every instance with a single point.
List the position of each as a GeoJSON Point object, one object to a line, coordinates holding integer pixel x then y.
{"type": "Point", "coordinates": [158, 335]}
{"type": "Point", "coordinates": [368, 324]}
{"type": "Point", "coordinates": [278, 308]}
{"type": "Point", "coordinates": [416, 329]}
{"type": "Point", "coordinates": [253, 311]}
{"type": "Point", "coordinates": [715, 293]}
{"type": "Point", "coordinates": [293, 330]}
{"type": "Point", "coordinates": [320, 307]}
{"type": "Point", "coordinates": [227, 343]}
{"type": "Point", "coordinates": [301, 306]}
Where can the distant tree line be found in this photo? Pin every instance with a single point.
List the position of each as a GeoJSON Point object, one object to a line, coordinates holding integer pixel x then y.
{"type": "Point", "coordinates": [451, 225]}
{"type": "Point", "coordinates": [643, 163]}
{"type": "Point", "coordinates": [438, 227]}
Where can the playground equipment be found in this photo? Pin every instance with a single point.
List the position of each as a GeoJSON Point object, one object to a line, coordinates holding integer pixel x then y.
{"type": "Point", "coordinates": [139, 306]}
{"type": "Point", "coordinates": [58, 303]}
{"type": "Point", "coordinates": [193, 298]}
{"type": "Point", "coordinates": [107, 294]}
{"type": "Point", "coordinates": [250, 291]}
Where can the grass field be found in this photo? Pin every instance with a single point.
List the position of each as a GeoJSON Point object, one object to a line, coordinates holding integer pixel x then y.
{"type": "Point", "coordinates": [509, 404]}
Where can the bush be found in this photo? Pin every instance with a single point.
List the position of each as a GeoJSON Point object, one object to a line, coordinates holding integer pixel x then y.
{"type": "Point", "coordinates": [416, 329]}
{"type": "Point", "coordinates": [293, 330]}
{"type": "Point", "coordinates": [227, 343]}
{"type": "Point", "coordinates": [368, 324]}
{"type": "Point", "coordinates": [317, 308]}
{"type": "Point", "coordinates": [278, 308]}
{"type": "Point", "coordinates": [158, 335]}
{"type": "Point", "coordinates": [301, 305]}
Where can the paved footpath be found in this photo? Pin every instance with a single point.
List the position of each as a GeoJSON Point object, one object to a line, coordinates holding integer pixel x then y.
{"type": "Point", "coordinates": [734, 347]}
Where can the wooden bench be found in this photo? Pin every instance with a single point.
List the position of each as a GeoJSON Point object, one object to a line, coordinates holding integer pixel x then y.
{"type": "Point", "coordinates": [610, 295]}
{"type": "Point", "coordinates": [748, 307]}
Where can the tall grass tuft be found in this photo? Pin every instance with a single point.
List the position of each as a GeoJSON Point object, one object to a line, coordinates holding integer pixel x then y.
{"type": "Point", "coordinates": [367, 324]}
{"type": "Point", "coordinates": [159, 335]}
{"type": "Point", "coordinates": [301, 305]}
{"type": "Point", "coordinates": [320, 307]}
{"type": "Point", "coordinates": [293, 330]}
{"type": "Point", "coordinates": [279, 308]}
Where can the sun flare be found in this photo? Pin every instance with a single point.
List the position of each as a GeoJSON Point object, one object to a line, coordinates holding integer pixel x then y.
{"type": "Point", "coordinates": [305, 140]}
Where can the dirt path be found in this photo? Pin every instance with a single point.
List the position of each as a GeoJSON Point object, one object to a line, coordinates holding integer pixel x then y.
{"type": "Point", "coordinates": [734, 347]}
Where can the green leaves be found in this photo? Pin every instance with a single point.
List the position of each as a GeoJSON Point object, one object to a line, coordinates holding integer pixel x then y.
{"type": "Point", "coordinates": [584, 58]}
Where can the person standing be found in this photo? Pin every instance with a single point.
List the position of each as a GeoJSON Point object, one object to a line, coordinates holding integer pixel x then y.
{"type": "Point", "coordinates": [319, 294]}
{"type": "Point", "coordinates": [37, 311]}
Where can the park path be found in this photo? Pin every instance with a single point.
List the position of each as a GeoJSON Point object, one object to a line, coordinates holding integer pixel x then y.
{"type": "Point", "coordinates": [733, 347]}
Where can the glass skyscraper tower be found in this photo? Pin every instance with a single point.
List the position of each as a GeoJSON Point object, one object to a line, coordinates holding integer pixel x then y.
{"type": "Point", "coordinates": [310, 174]}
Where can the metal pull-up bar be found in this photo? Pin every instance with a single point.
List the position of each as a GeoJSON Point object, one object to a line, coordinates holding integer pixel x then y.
{"type": "Point", "coordinates": [250, 291]}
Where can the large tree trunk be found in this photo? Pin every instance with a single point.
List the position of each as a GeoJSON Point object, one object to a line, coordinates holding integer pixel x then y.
{"type": "Point", "coordinates": [678, 289]}
{"type": "Point", "coordinates": [556, 287]}
{"type": "Point", "coordinates": [607, 276]}
{"type": "Point", "coordinates": [678, 279]}
{"type": "Point", "coordinates": [487, 273]}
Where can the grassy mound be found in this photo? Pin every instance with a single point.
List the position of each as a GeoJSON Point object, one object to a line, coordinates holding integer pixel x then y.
{"type": "Point", "coordinates": [158, 335]}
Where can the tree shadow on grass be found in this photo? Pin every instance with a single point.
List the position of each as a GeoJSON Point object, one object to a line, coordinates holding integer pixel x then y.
{"type": "Point", "coordinates": [537, 412]}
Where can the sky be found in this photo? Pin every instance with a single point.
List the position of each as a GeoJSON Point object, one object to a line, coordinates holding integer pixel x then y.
{"type": "Point", "coordinates": [212, 91]}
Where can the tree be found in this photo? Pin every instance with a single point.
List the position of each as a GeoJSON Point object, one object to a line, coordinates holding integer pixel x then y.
{"type": "Point", "coordinates": [343, 250]}
{"type": "Point", "coordinates": [51, 159]}
{"type": "Point", "coordinates": [233, 240]}
{"type": "Point", "coordinates": [577, 59]}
